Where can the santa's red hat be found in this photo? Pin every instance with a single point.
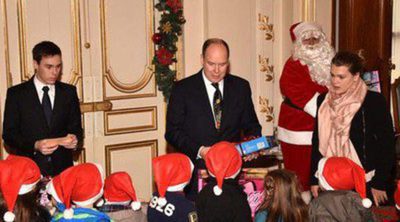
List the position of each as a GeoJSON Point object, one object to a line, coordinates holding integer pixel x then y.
{"type": "Point", "coordinates": [297, 29]}
{"type": "Point", "coordinates": [18, 176]}
{"type": "Point", "coordinates": [341, 173]}
{"type": "Point", "coordinates": [118, 189]}
{"type": "Point", "coordinates": [172, 172]}
{"type": "Point", "coordinates": [397, 195]}
{"type": "Point", "coordinates": [81, 184]}
{"type": "Point", "coordinates": [223, 161]}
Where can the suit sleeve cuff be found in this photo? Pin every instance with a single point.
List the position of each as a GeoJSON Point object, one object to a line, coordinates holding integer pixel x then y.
{"type": "Point", "coordinates": [311, 106]}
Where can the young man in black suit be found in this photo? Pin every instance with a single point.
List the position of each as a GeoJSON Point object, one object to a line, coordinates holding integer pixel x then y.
{"type": "Point", "coordinates": [209, 107]}
{"type": "Point", "coordinates": [42, 118]}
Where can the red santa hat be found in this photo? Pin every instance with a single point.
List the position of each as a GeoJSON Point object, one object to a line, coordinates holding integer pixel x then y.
{"type": "Point", "coordinates": [118, 189]}
{"type": "Point", "coordinates": [297, 29]}
{"type": "Point", "coordinates": [81, 184]}
{"type": "Point", "coordinates": [341, 173]}
{"type": "Point", "coordinates": [172, 172]}
{"type": "Point", "coordinates": [223, 161]}
{"type": "Point", "coordinates": [397, 196]}
{"type": "Point", "coordinates": [18, 176]}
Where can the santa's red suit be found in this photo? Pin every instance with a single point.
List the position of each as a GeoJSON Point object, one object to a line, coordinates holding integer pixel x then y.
{"type": "Point", "coordinates": [296, 118]}
{"type": "Point", "coordinates": [302, 81]}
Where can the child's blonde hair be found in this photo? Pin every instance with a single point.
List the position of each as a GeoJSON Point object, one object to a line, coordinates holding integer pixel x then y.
{"type": "Point", "coordinates": [282, 197]}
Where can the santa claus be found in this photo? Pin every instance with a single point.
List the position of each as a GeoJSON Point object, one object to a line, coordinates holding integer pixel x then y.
{"type": "Point", "coordinates": [305, 75]}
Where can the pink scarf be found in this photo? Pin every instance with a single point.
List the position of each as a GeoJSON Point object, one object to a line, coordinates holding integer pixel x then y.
{"type": "Point", "coordinates": [334, 119]}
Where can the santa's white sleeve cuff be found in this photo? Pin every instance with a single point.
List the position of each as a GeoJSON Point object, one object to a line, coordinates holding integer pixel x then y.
{"type": "Point", "coordinates": [311, 106]}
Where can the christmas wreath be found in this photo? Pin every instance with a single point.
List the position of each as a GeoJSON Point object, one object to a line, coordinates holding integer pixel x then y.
{"type": "Point", "coordinates": [165, 43]}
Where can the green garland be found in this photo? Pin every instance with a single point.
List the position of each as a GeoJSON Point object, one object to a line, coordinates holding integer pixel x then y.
{"type": "Point", "coordinates": [165, 39]}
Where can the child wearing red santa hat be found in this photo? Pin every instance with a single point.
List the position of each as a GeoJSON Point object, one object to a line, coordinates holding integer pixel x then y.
{"type": "Point", "coordinates": [120, 201]}
{"type": "Point", "coordinates": [19, 179]}
{"type": "Point", "coordinates": [223, 199]}
{"type": "Point", "coordinates": [172, 172]}
{"type": "Point", "coordinates": [338, 177]}
{"type": "Point", "coordinates": [75, 190]}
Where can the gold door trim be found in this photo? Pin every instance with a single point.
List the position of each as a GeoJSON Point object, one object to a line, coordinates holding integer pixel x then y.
{"type": "Point", "coordinates": [22, 40]}
{"type": "Point", "coordinates": [76, 72]}
{"type": "Point", "coordinates": [108, 73]}
{"type": "Point", "coordinates": [96, 106]}
{"type": "Point", "coordinates": [308, 13]}
{"type": "Point", "coordinates": [123, 130]}
{"type": "Point", "coordinates": [6, 44]}
{"type": "Point", "coordinates": [124, 146]}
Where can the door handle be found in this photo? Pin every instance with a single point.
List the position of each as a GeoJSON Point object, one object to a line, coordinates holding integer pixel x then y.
{"type": "Point", "coordinates": [96, 106]}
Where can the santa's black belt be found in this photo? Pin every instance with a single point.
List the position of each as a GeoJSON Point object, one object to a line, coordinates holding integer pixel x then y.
{"type": "Point", "coordinates": [289, 103]}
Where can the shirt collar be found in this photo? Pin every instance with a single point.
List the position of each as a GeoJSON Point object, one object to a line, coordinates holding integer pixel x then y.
{"type": "Point", "coordinates": [39, 85]}
{"type": "Point", "coordinates": [208, 82]}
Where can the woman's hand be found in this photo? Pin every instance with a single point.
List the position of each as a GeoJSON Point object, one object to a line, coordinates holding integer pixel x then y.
{"type": "Point", "coordinates": [380, 196]}
{"type": "Point", "coordinates": [314, 190]}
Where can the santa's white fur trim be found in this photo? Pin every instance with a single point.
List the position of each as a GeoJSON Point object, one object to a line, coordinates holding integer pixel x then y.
{"type": "Point", "coordinates": [306, 26]}
{"type": "Point", "coordinates": [295, 137]}
{"type": "Point", "coordinates": [311, 106]}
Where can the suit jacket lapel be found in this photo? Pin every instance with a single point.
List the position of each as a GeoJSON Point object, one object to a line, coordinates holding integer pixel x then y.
{"type": "Point", "coordinates": [228, 99]}
{"type": "Point", "coordinates": [204, 102]}
{"type": "Point", "coordinates": [58, 103]}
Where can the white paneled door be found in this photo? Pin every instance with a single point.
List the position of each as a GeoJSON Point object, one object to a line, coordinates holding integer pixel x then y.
{"type": "Point", "coordinates": [107, 54]}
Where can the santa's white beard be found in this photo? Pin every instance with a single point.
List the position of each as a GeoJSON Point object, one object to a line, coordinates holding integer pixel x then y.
{"type": "Point", "coordinates": [318, 59]}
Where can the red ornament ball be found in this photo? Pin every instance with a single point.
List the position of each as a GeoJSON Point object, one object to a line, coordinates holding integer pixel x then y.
{"type": "Point", "coordinates": [157, 37]}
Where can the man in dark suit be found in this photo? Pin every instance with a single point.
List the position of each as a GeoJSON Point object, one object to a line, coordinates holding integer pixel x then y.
{"type": "Point", "coordinates": [209, 107]}
{"type": "Point", "coordinates": [42, 119]}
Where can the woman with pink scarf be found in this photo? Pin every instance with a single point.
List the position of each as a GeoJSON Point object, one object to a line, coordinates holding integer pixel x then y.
{"type": "Point", "coordinates": [355, 123]}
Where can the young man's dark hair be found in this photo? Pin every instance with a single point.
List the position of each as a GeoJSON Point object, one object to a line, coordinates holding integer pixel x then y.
{"type": "Point", "coordinates": [43, 49]}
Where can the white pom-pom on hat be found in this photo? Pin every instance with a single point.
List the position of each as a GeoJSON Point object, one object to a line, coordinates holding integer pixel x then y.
{"type": "Point", "coordinates": [162, 201]}
{"type": "Point", "coordinates": [217, 190]}
{"type": "Point", "coordinates": [367, 203]}
{"type": "Point", "coordinates": [100, 202]}
{"type": "Point", "coordinates": [68, 213]}
{"type": "Point", "coordinates": [135, 205]}
{"type": "Point", "coordinates": [9, 216]}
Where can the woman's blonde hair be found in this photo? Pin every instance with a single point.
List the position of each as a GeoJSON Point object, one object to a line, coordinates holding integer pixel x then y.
{"type": "Point", "coordinates": [282, 197]}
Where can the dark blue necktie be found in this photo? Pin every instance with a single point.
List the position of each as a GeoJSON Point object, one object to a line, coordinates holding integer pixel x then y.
{"type": "Point", "coordinates": [46, 104]}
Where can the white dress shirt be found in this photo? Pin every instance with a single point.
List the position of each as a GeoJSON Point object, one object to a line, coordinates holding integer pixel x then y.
{"type": "Point", "coordinates": [39, 89]}
{"type": "Point", "coordinates": [211, 90]}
